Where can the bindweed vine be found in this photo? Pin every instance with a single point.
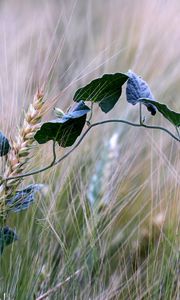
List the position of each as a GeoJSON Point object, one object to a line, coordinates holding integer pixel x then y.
{"type": "Point", "coordinates": [67, 127]}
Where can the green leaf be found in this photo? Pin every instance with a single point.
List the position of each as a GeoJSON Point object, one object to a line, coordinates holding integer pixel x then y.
{"type": "Point", "coordinates": [169, 114]}
{"type": "Point", "coordinates": [66, 129]}
{"type": "Point", "coordinates": [4, 145]}
{"type": "Point", "coordinates": [7, 237]}
{"type": "Point", "coordinates": [105, 90]}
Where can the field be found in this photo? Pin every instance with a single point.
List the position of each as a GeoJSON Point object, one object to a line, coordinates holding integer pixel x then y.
{"type": "Point", "coordinates": [106, 224]}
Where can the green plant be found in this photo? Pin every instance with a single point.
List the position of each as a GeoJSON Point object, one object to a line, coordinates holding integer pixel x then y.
{"type": "Point", "coordinates": [65, 130]}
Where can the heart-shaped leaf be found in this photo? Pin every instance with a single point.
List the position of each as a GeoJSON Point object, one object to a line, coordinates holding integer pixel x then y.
{"type": "Point", "coordinates": [105, 90]}
{"type": "Point", "coordinates": [4, 145]}
{"type": "Point", "coordinates": [169, 114]}
{"type": "Point", "coordinates": [65, 129]}
{"type": "Point", "coordinates": [21, 200]}
{"type": "Point", "coordinates": [7, 237]}
{"type": "Point", "coordinates": [138, 88]}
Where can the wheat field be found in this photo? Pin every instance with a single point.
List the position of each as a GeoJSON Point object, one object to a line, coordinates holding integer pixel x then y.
{"type": "Point", "coordinates": [107, 223]}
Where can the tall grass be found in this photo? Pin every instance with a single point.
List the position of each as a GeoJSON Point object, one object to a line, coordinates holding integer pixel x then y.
{"type": "Point", "coordinates": [108, 226]}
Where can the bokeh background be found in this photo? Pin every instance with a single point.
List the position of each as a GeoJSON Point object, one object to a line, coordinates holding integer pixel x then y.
{"type": "Point", "coordinates": [111, 210]}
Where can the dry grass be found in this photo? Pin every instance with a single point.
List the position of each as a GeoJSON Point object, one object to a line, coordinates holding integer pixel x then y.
{"type": "Point", "coordinates": [112, 209]}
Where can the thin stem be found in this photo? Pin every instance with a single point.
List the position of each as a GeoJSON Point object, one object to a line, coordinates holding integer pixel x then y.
{"type": "Point", "coordinates": [163, 129]}
{"type": "Point", "coordinates": [59, 285]}
{"type": "Point", "coordinates": [36, 171]}
{"type": "Point", "coordinates": [54, 162]}
{"type": "Point", "coordinates": [178, 133]}
{"type": "Point", "coordinates": [90, 116]}
{"type": "Point", "coordinates": [54, 153]}
{"type": "Point", "coordinates": [140, 113]}
{"type": "Point", "coordinates": [89, 128]}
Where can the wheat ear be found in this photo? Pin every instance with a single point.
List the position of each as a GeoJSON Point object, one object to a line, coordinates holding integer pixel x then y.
{"type": "Point", "coordinates": [21, 147]}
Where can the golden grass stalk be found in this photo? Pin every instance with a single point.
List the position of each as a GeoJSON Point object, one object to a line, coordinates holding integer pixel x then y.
{"type": "Point", "coordinates": [22, 145]}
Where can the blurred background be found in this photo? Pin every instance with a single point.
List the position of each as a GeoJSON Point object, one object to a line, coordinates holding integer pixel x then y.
{"type": "Point", "coordinates": [111, 211]}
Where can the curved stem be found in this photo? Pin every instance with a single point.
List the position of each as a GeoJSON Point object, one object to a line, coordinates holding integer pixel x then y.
{"type": "Point", "coordinates": [54, 162]}
{"type": "Point", "coordinates": [91, 114]}
{"type": "Point", "coordinates": [178, 133]}
{"type": "Point", "coordinates": [163, 129]}
{"type": "Point", "coordinates": [140, 113]}
{"type": "Point", "coordinates": [54, 153]}
{"type": "Point", "coordinates": [36, 171]}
